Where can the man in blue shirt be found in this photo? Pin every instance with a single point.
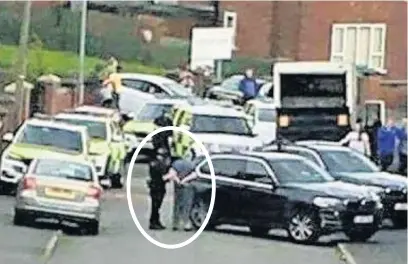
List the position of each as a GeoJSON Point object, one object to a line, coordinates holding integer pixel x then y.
{"type": "Point", "coordinates": [386, 137]}
{"type": "Point", "coordinates": [248, 86]}
{"type": "Point", "coordinates": [402, 148]}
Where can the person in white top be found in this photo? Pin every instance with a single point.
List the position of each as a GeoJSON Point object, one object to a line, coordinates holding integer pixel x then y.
{"type": "Point", "coordinates": [358, 140]}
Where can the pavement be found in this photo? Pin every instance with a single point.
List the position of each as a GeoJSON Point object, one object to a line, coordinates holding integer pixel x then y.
{"type": "Point", "coordinates": [120, 241]}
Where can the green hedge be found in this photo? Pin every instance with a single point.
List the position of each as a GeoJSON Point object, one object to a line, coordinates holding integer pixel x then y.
{"type": "Point", "coordinates": [62, 63]}
{"type": "Point", "coordinates": [58, 29]}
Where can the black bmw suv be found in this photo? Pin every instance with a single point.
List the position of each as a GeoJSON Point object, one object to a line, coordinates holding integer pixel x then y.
{"type": "Point", "coordinates": [346, 165]}
{"type": "Point", "coordinates": [277, 190]}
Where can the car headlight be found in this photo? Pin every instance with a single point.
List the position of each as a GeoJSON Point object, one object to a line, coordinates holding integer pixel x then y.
{"type": "Point", "coordinates": [326, 202]}
{"type": "Point", "coordinates": [387, 190]}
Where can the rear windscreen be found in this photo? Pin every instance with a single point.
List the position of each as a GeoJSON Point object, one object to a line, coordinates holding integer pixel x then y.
{"type": "Point", "coordinates": [313, 90]}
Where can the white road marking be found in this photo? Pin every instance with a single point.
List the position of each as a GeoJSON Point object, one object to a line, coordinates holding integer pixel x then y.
{"type": "Point", "coordinates": [345, 254]}
{"type": "Point", "coordinates": [51, 245]}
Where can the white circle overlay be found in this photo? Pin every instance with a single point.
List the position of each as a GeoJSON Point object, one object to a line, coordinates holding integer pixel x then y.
{"type": "Point", "coordinates": [129, 193]}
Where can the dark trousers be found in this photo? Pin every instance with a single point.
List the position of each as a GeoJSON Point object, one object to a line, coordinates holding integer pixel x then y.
{"type": "Point", "coordinates": [157, 196]}
{"type": "Point", "coordinates": [115, 97]}
{"type": "Point", "coordinates": [386, 161]}
{"type": "Point", "coordinates": [402, 168]}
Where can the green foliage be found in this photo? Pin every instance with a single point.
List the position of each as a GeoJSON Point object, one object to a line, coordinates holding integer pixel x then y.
{"type": "Point", "coordinates": [58, 29]}
{"type": "Point", "coordinates": [63, 63]}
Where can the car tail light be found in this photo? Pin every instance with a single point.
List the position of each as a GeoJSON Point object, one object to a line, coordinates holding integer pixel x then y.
{"type": "Point", "coordinates": [29, 183]}
{"type": "Point", "coordinates": [342, 120]}
{"type": "Point", "coordinates": [284, 121]}
{"type": "Point", "coordinates": [94, 192]}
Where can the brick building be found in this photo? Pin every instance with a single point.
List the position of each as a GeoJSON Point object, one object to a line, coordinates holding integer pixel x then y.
{"type": "Point", "coordinates": [372, 34]}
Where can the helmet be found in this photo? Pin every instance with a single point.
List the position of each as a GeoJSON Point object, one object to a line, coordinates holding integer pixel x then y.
{"type": "Point", "coordinates": [161, 151]}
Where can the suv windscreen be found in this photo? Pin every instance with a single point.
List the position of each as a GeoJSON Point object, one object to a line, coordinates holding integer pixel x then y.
{"type": "Point", "coordinates": [220, 124]}
{"type": "Point", "coordinates": [51, 136]}
{"type": "Point", "coordinates": [298, 171]}
{"type": "Point", "coordinates": [95, 129]}
{"type": "Point", "coordinates": [152, 111]}
{"type": "Point", "coordinates": [63, 169]}
{"type": "Point", "coordinates": [347, 161]}
{"type": "Point", "coordinates": [267, 115]}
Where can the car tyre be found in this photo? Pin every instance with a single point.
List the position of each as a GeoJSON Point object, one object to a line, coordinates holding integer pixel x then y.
{"type": "Point", "coordinates": [20, 218]}
{"type": "Point", "coordinates": [198, 213]}
{"type": "Point", "coordinates": [259, 230]}
{"type": "Point", "coordinates": [360, 235]}
{"type": "Point", "coordinates": [303, 226]}
{"type": "Point", "coordinates": [400, 221]}
{"type": "Point", "coordinates": [93, 228]}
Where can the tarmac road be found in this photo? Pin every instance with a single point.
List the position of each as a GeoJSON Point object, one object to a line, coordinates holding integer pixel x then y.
{"type": "Point", "coordinates": [120, 241]}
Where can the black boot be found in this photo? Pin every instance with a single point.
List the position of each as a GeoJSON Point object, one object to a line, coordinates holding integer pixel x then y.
{"type": "Point", "coordinates": [156, 226]}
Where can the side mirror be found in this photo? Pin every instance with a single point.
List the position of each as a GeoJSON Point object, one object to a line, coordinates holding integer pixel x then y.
{"type": "Point", "coordinates": [8, 137]}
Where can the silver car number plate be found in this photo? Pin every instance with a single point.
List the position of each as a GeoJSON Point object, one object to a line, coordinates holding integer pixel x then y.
{"type": "Point", "coordinates": [363, 219]}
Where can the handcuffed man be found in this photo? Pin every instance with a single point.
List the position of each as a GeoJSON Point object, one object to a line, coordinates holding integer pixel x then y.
{"type": "Point", "coordinates": [182, 173]}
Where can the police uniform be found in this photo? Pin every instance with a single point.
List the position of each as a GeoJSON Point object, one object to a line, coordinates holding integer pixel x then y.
{"type": "Point", "coordinates": [158, 167]}
{"type": "Point", "coordinates": [161, 140]}
{"type": "Point", "coordinates": [181, 142]}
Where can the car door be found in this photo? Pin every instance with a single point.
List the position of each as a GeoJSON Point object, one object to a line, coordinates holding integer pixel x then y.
{"type": "Point", "coordinates": [228, 190]}
{"type": "Point", "coordinates": [260, 204]}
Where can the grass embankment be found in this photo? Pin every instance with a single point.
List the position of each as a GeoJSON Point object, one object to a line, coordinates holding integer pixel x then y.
{"type": "Point", "coordinates": [63, 63]}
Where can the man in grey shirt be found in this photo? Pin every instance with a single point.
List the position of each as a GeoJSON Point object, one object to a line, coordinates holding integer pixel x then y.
{"type": "Point", "coordinates": [182, 173]}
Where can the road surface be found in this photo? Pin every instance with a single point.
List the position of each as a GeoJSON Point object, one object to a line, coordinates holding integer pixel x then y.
{"type": "Point", "coordinates": [121, 242]}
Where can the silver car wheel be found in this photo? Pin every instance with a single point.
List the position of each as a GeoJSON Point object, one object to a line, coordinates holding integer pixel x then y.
{"type": "Point", "coordinates": [301, 227]}
{"type": "Point", "coordinates": [198, 214]}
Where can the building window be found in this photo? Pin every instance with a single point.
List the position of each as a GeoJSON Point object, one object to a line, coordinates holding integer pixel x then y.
{"type": "Point", "coordinates": [361, 44]}
{"type": "Point", "coordinates": [230, 20]}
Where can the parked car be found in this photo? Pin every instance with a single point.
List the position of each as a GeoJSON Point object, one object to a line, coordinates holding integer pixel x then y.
{"type": "Point", "coordinates": [39, 137]}
{"type": "Point", "coordinates": [278, 190]}
{"type": "Point", "coordinates": [346, 165]}
{"type": "Point", "coordinates": [229, 89]}
{"type": "Point", "coordinates": [60, 189]}
{"type": "Point", "coordinates": [106, 145]}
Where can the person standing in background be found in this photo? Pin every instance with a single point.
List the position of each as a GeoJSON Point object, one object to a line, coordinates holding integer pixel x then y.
{"type": "Point", "coordinates": [115, 82]}
{"type": "Point", "coordinates": [357, 139]}
{"type": "Point", "coordinates": [386, 137]}
{"type": "Point", "coordinates": [248, 86]}
{"type": "Point", "coordinates": [402, 148]}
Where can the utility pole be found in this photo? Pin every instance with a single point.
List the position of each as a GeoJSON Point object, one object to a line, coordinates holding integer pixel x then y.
{"type": "Point", "coordinates": [22, 61]}
{"type": "Point", "coordinates": [82, 51]}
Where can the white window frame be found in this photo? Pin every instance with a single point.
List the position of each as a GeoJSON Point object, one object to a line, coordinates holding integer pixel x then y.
{"type": "Point", "coordinates": [371, 53]}
{"type": "Point", "coordinates": [233, 15]}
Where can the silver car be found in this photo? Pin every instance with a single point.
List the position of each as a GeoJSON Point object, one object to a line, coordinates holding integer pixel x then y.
{"type": "Point", "coordinates": [62, 190]}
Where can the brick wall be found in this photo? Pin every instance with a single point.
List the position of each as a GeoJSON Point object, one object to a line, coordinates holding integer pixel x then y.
{"type": "Point", "coordinates": [254, 24]}
{"type": "Point", "coordinates": [302, 30]}
{"type": "Point", "coordinates": [394, 96]}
